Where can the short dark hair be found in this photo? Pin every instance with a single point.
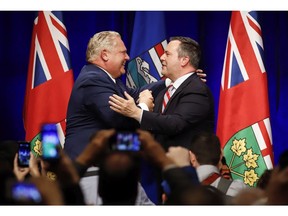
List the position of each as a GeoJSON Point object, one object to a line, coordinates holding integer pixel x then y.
{"type": "Point", "coordinates": [197, 195]}
{"type": "Point", "coordinates": [189, 47]}
{"type": "Point", "coordinates": [119, 175]}
{"type": "Point", "coordinates": [206, 147]}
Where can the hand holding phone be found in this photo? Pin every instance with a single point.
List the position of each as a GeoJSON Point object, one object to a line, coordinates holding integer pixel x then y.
{"type": "Point", "coordinates": [125, 141]}
{"type": "Point", "coordinates": [24, 150]}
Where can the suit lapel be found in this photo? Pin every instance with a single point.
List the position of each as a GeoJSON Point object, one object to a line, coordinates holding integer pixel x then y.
{"type": "Point", "coordinates": [120, 88]}
{"type": "Point", "coordinates": [159, 101]}
{"type": "Point", "coordinates": [177, 91]}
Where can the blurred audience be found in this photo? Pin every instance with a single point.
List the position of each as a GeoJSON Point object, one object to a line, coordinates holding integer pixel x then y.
{"type": "Point", "coordinates": [204, 154]}
{"type": "Point", "coordinates": [95, 153]}
{"type": "Point", "coordinates": [119, 173]}
{"type": "Point", "coordinates": [20, 184]}
{"type": "Point", "coordinates": [197, 195]}
{"type": "Point", "coordinates": [250, 196]}
{"type": "Point", "coordinates": [8, 149]}
{"type": "Point", "coordinates": [277, 187]}
{"type": "Point", "coordinates": [264, 179]}
{"type": "Point", "coordinates": [224, 169]}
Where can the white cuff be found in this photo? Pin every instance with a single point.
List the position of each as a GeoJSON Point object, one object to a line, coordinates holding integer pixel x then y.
{"type": "Point", "coordinates": [143, 106]}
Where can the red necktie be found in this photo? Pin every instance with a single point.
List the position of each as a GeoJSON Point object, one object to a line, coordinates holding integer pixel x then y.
{"type": "Point", "coordinates": [167, 96]}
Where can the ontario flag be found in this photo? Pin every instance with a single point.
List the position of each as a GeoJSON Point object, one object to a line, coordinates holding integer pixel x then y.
{"type": "Point", "coordinates": [244, 121]}
{"type": "Point", "coordinates": [148, 44]}
{"type": "Point", "coordinates": [50, 78]}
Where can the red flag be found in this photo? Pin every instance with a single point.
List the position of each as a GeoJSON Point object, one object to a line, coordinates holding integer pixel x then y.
{"type": "Point", "coordinates": [243, 124]}
{"type": "Point", "coordinates": [50, 77]}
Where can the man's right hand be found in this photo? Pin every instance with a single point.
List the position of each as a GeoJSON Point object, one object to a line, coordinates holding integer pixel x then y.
{"type": "Point", "coordinates": [126, 107]}
{"type": "Point", "coordinates": [202, 75]}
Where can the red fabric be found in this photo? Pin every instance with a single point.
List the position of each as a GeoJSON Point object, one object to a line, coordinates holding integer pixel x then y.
{"type": "Point", "coordinates": [50, 77]}
{"type": "Point", "coordinates": [210, 179]}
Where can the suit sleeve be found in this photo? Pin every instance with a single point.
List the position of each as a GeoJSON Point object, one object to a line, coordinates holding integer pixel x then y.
{"type": "Point", "coordinates": [96, 101]}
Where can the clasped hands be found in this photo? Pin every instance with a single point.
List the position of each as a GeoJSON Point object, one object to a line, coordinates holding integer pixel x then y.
{"type": "Point", "coordinates": [128, 107]}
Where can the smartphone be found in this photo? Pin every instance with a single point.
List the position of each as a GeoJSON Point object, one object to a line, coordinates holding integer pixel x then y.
{"type": "Point", "coordinates": [22, 192]}
{"type": "Point", "coordinates": [24, 150]}
{"type": "Point", "coordinates": [50, 142]}
{"type": "Point", "coordinates": [125, 141]}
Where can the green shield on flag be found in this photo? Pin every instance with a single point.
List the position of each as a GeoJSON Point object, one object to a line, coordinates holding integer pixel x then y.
{"type": "Point", "coordinates": [36, 145]}
{"type": "Point", "coordinates": [244, 157]}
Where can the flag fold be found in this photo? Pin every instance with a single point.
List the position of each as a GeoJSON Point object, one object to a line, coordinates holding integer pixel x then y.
{"type": "Point", "coordinates": [50, 78]}
{"type": "Point", "coordinates": [243, 125]}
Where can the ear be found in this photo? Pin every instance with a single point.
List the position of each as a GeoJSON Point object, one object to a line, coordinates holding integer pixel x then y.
{"type": "Point", "coordinates": [193, 159]}
{"type": "Point", "coordinates": [185, 60]}
{"type": "Point", "coordinates": [105, 55]}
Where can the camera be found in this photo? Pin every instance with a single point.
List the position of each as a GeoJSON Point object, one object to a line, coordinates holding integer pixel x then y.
{"type": "Point", "coordinates": [22, 192]}
{"type": "Point", "coordinates": [50, 142]}
{"type": "Point", "coordinates": [125, 141]}
{"type": "Point", "coordinates": [24, 150]}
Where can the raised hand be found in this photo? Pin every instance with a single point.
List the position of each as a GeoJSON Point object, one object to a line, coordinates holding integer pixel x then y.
{"type": "Point", "coordinates": [126, 107]}
{"type": "Point", "coordinates": [179, 155]}
{"type": "Point", "coordinates": [20, 172]}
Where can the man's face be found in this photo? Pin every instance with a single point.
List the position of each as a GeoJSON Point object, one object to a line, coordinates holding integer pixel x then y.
{"type": "Point", "coordinates": [170, 61]}
{"type": "Point", "coordinates": [117, 59]}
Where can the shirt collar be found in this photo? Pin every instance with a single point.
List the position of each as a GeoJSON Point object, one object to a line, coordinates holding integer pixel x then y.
{"type": "Point", "coordinates": [107, 73]}
{"type": "Point", "coordinates": [181, 79]}
{"type": "Point", "coordinates": [203, 171]}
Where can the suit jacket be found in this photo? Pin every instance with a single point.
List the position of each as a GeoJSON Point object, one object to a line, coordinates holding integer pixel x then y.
{"type": "Point", "coordinates": [89, 111]}
{"type": "Point", "coordinates": [189, 110]}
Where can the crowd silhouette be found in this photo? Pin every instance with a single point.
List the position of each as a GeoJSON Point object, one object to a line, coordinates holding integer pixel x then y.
{"type": "Point", "coordinates": [119, 175]}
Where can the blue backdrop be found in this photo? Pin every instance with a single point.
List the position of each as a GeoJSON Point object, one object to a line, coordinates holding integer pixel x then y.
{"type": "Point", "coordinates": [209, 28]}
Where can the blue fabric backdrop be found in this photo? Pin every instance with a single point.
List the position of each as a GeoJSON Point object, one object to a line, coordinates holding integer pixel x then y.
{"type": "Point", "coordinates": [209, 28]}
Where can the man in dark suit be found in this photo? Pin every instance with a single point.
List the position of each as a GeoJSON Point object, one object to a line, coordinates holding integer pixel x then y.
{"type": "Point", "coordinates": [88, 108]}
{"type": "Point", "coordinates": [190, 108]}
